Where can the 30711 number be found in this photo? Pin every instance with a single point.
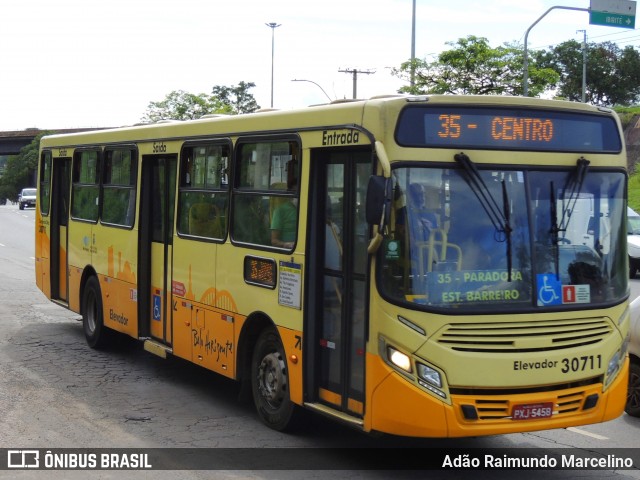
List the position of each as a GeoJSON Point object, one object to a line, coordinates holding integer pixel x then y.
{"type": "Point", "coordinates": [580, 364]}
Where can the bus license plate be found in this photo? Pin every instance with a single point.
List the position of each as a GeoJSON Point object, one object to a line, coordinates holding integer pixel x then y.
{"type": "Point", "coordinates": [532, 411]}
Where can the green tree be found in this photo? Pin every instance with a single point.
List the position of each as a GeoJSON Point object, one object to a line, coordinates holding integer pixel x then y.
{"type": "Point", "coordinates": [181, 105]}
{"type": "Point", "coordinates": [613, 74]}
{"type": "Point", "coordinates": [472, 66]}
{"type": "Point", "coordinates": [20, 170]}
{"type": "Point", "coordinates": [237, 98]}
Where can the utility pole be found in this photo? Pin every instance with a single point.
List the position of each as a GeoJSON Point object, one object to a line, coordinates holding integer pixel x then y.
{"type": "Point", "coordinates": [584, 65]}
{"type": "Point", "coordinates": [355, 73]}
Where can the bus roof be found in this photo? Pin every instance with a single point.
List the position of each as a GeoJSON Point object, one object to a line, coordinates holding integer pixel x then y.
{"type": "Point", "coordinates": [341, 112]}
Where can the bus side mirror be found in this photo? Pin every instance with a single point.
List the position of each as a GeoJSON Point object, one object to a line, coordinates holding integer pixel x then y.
{"type": "Point", "coordinates": [377, 207]}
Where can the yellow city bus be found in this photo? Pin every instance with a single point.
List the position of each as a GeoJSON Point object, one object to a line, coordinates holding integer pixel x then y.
{"type": "Point", "coordinates": [437, 266]}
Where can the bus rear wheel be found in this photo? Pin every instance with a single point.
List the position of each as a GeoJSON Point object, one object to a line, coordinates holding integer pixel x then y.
{"type": "Point", "coordinates": [92, 321]}
{"type": "Point", "coordinates": [270, 382]}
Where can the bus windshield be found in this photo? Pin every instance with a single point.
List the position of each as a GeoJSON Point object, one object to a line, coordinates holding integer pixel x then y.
{"type": "Point", "coordinates": [507, 239]}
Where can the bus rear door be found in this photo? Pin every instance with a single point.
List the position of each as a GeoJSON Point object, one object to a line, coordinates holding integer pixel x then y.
{"type": "Point", "coordinates": [156, 246]}
{"type": "Point", "coordinates": [59, 223]}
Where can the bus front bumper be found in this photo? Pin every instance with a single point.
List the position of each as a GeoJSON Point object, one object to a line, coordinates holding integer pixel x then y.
{"type": "Point", "coordinates": [401, 408]}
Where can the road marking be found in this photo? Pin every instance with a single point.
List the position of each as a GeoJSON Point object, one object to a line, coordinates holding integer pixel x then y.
{"type": "Point", "coordinates": [588, 434]}
{"type": "Point", "coordinates": [2, 245]}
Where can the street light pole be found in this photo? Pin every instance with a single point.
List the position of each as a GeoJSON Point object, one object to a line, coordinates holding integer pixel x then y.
{"type": "Point", "coordinates": [413, 45]}
{"type": "Point", "coordinates": [525, 79]}
{"type": "Point", "coordinates": [272, 26]}
{"type": "Point", "coordinates": [316, 84]}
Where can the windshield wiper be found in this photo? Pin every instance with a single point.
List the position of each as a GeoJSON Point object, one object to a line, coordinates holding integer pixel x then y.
{"type": "Point", "coordinates": [499, 218]}
{"type": "Point", "coordinates": [507, 226]}
{"type": "Point", "coordinates": [555, 230]}
{"type": "Point", "coordinates": [572, 187]}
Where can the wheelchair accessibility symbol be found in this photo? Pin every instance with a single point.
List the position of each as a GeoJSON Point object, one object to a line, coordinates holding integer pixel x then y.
{"type": "Point", "coordinates": [157, 302]}
{"type": "Point", "coordinates": [549, 290]}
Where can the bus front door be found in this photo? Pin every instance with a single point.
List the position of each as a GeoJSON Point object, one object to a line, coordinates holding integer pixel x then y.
{"type": "Point", "coordinates": [156, 247]}
{"type": "Point", "coordinates": [338, 302]}
{"type": "Point", "coordinates": [59, 225]}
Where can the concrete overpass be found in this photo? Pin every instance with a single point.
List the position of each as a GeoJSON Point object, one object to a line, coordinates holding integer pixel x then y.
{"type": "Point", "coordinates": [11, 142]}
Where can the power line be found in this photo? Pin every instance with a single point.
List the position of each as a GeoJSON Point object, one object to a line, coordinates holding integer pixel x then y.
{"type": "Point", "coordinates": [625, 40]}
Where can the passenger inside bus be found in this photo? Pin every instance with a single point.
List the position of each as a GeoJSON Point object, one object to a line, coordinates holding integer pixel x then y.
{"type": "Point", "coordinates": [284, 218]}
{"type": "Point", "coordinates": [284, 224]}
{"type": "Point", "coordinates": [251, 219]}
{"type": "Point", "coordinates": [205, 220]}
{"type": "Point", "coordinates": [420, 221]}
{"type": "Point", "coordinates": [422, 202]}
{"type": "Point", "coordinates": [333, 241]}
{"type": "Point", "coordinates": [332, 259]}
{"type": "Point", "coordinates": [478, 239]}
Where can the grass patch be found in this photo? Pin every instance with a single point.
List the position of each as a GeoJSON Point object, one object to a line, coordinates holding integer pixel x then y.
{"type": "Point", "coordinates": [634, 192]}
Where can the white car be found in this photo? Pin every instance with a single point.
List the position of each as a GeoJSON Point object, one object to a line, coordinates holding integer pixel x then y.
{"type": "Point", "coordinates": [27, 198]}
{"type": "Point", "coordinates": [633, 241]}
{"type": "Point", "coordinates": [633, 393]}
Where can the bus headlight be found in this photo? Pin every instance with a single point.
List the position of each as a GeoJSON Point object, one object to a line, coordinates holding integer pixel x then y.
{"type": "Point", "coordinates": [399, 359]}
{"type": "Point", "coordinates": [617, 359]}
{"type": "Point", "coordinates": [430, 379]}
{"type": "Point", "coordinates": [429, 375]}
{"type": "Point", "coordinates": [613, 366]}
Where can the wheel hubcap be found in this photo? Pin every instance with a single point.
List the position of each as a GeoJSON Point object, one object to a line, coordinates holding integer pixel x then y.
{"type": "Point", "coordinates": [272, 379]}
{"type": "Point", "coordinates": [91, 314]}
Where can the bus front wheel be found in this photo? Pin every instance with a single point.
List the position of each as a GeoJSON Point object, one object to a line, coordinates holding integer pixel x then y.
{"type": "Point", "coordinates": [270, 382]}
{"type": "Point", "coordinates": [92, 323]}
{"type": "Point", "coordinates": [633, 394]}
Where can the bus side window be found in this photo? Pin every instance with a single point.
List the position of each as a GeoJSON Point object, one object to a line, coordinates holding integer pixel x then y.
{"type": "Point", "coordinates": [85, 194]}
{"type": "Point", "coordinates": [45, 182]}
{"type": "Point", "coordinates": [203, 193]}
{"type": "Point", "coordinates": [119, 187]}
{"type": "Point", "coordinates": [266, 194]}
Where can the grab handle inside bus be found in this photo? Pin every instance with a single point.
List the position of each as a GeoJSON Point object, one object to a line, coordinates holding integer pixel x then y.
{"type": "Point", "coordinates": [379, 198]}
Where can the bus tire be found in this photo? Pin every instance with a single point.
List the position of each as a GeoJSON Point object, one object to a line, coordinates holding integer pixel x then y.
{"type": "Point", "coordinates": [92, 320]}
{"type": "Point", "coordinates": [270, 382]}
{"type": "Point", "coordinates": [633, 394]}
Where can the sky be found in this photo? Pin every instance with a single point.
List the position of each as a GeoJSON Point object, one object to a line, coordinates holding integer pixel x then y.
{"type": "Point", "coordinates": [99, 63]}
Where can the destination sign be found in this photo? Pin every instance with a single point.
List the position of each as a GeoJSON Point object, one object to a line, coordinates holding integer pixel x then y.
{"type": "Point", "coordinates": [477, 286]}
{"type": "Point", "coordinates": [260, 271]}
{"type": "Point", "coordinates": [505, 128]}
